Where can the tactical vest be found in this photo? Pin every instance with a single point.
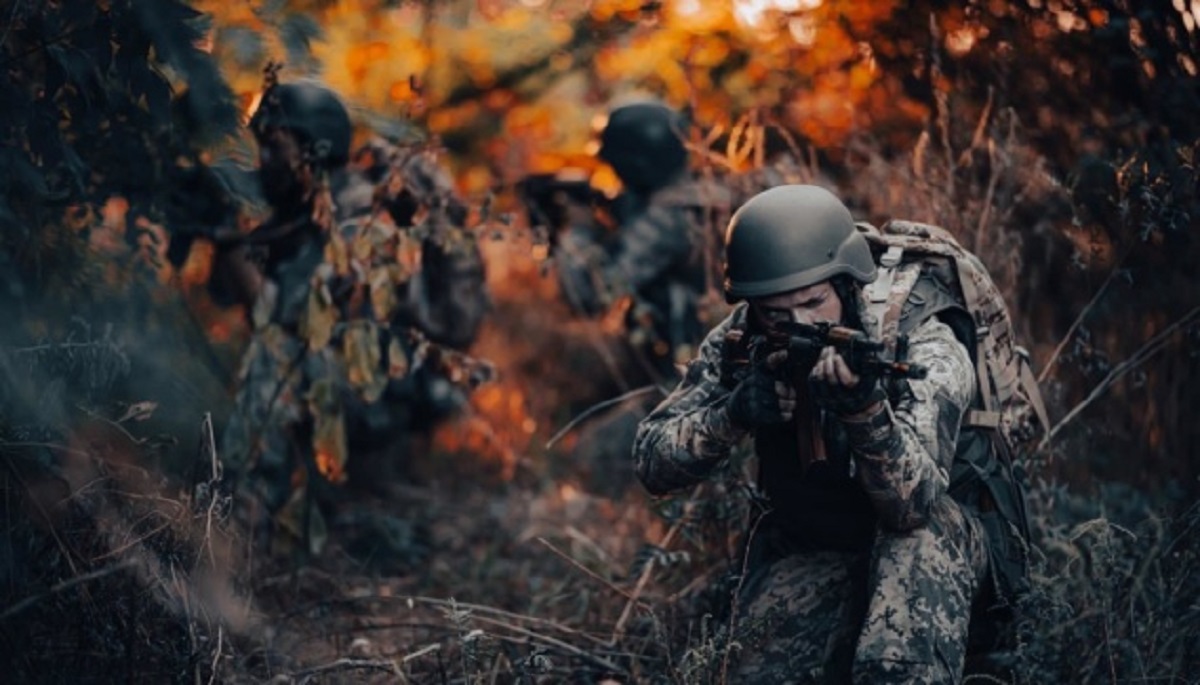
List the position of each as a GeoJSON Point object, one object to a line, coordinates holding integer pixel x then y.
{"type": "Point", "coordinates": [924, 272]}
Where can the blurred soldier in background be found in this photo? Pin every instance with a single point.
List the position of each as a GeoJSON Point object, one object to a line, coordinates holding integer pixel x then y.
{"type": "Point", "coordinates": [359, 285]}
{"type": "Point", "coordinates": [659, 258]}
{"type": "Point", "coordinates": [653, 266]}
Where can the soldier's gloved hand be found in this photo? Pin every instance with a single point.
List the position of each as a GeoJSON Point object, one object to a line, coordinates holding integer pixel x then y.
{"type": "Point", "coordinates": [761, 398]}
{"type": "Point", "coordinates": [839, 390]}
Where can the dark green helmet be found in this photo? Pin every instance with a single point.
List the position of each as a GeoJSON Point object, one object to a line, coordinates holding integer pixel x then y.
{"type": "Point", "coordinates": [313, 113]}
{"type": "Point", "coordinates": [643, 144]}
{"type": "Point", "coordinates": [790, 237]}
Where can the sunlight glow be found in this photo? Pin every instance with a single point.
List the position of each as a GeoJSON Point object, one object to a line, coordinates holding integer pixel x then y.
{"type": "Point", "coordinates": [803, 30]}
{"type": "Point", "coordinates": [752, 12]}
{"type": "Point", "coordinates": [960, 41]}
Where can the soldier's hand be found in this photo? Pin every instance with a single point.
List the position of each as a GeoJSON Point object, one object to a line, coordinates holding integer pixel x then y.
{"type": "Point", "coordinates": [837, 389]}
{"type": "Point", "coordinates": [762, 398]}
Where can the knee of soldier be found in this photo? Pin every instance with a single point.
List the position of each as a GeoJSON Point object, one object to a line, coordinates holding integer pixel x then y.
{"type": "Point", "coordinates": [948, 528]}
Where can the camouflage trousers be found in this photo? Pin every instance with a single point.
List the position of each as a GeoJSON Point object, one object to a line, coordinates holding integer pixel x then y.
{"type": "Point", "coordinates": [271, 424]}
{"type": "Point", "coordinates": [897, 615]}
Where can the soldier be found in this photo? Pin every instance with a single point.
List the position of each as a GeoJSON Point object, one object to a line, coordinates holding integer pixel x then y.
{"type": "Point", "coordinates": [347, 314]}
{"type": "Point", "coordinates": [863, 567]}
{"type": "Point", "coordinates": [659, 252]}
{"type": "Point", "coordinates": [655, 262]}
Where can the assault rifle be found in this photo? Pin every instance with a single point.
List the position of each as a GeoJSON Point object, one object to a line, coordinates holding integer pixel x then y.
{"type": "Point", "coordinates": [864, 355]}
{"type": "Point", "coordinates": [548, 197]}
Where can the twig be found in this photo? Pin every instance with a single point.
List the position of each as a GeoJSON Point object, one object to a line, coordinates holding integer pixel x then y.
{"type": "Point", "coordinates": [120, 428]}
{"type": "Point", "coordinates": [737, 591]}
{"type": "Point", "coordinates": [646, 572]}
{"type": "Point", "coordinates": [212, 677]}
{"type": "Point", "coordinates": [566, 646]}
{"type": "Point", "coordinates": [347, 665]}
{"type": "Point", "coordinates": [427, 649]}
{"type": "Point", "coordinates": [1152, 346]}
{"type": "Point", "coordinates": [63, 586]}
{"type": "Point", "coordinates": [585, 570]}
{"type": "Point", "coordinates": [37, 503]}
{"type": "Point", "coordinates": [1079, 319]}
{"type": "Point", "coordinates": [578, 536]}
{"type": "Point", "coordinates": [598, 407]}
{"type": "Point", "coordinates": [213, 491]}
{"type": "Point", "coordinates": [134, 542]}
{"type": "Point", "coordinates": [480, 608]}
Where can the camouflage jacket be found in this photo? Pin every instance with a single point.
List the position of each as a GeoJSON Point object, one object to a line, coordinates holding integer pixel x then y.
{"type": "Point", "coordinates": [658, 258]}
{"type": "Point", "coordinates": [888, 469]}
{"type": "Point", "coordinates": [342, 350]}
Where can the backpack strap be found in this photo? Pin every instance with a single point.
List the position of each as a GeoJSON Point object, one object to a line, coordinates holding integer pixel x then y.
{"type": "Point", "coordinates": [881, 289]}
{"type": "Point", "coordinates": [1029, 387]}
{"type": "Point", "coordinates": [988, 415]}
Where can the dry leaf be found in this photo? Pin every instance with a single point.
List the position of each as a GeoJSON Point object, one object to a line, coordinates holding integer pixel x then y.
{"type": "Point", "coordinates": [138, 411]}
{"type": "Point", "coordinates": [318, 322]}
{"type": "Point", "coordinates": [363, 358]}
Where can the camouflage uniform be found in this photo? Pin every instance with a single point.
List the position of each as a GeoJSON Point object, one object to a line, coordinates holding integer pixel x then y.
{"type": "Point", "coordinates": [660, 257]}
{"type": "Point", "coordinates": [345, 356]}
{"type": "Point", "coordinates": [863, 563]}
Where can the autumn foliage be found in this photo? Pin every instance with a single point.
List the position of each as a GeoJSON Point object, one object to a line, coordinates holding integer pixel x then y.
{"type": "Point", "coordinates": [1056, 138]}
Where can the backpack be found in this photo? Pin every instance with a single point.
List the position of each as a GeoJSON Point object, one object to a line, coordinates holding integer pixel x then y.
{"type": "Point", "coordinates": [925, 272]}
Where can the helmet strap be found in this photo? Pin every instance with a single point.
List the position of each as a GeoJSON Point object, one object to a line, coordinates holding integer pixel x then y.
{"type": "Point", "coordinates": [847, 290]}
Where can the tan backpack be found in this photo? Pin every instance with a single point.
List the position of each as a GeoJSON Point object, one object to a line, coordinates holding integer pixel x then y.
{"type": "Point", "coordinates": [925, 272]}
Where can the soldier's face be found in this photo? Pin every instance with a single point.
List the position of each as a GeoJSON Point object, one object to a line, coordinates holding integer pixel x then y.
{"type": "Point", "coordinates": [280, 164]}
{"type": "Point", "coordinates": [816, 303]}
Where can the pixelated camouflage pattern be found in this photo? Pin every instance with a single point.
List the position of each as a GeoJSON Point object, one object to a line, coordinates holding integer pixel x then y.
{"type": "Point", "coordinates": [902, 457]}
{"type": "Point", "coordinates": [1007, 409]}
{"type": "Point", "coordinates": [797, 620]}
{"type": "Point", "coordinates": [689, 433]}
{"type": "Point", "coordinates": [817, 617]}
{"type": "Point", "coordinates": [913, 471]}
{"type": "Point", "coordinates": [1005, 379]}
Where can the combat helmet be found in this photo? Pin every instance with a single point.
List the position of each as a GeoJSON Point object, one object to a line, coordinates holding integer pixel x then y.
{"type": "Point", "coordinates": [642, 142]}
{"type": "Point", "coordinates": [313, 113]}
{"type": "Point", "coordinates": [790, 237]}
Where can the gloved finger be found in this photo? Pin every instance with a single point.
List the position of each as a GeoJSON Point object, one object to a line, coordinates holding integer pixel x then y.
{"type": "Point", "coordinates": [776, 359]}
{"type": "Point", "coordinates": [822, 372]}
{"type": "Point", "coordinates": [841, 370]}
{"type": "Point", "coordinates": [785, 390]}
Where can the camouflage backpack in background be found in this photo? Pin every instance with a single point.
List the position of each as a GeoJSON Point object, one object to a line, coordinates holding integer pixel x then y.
{"type": "Point", "coordinates": [925, 272]}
